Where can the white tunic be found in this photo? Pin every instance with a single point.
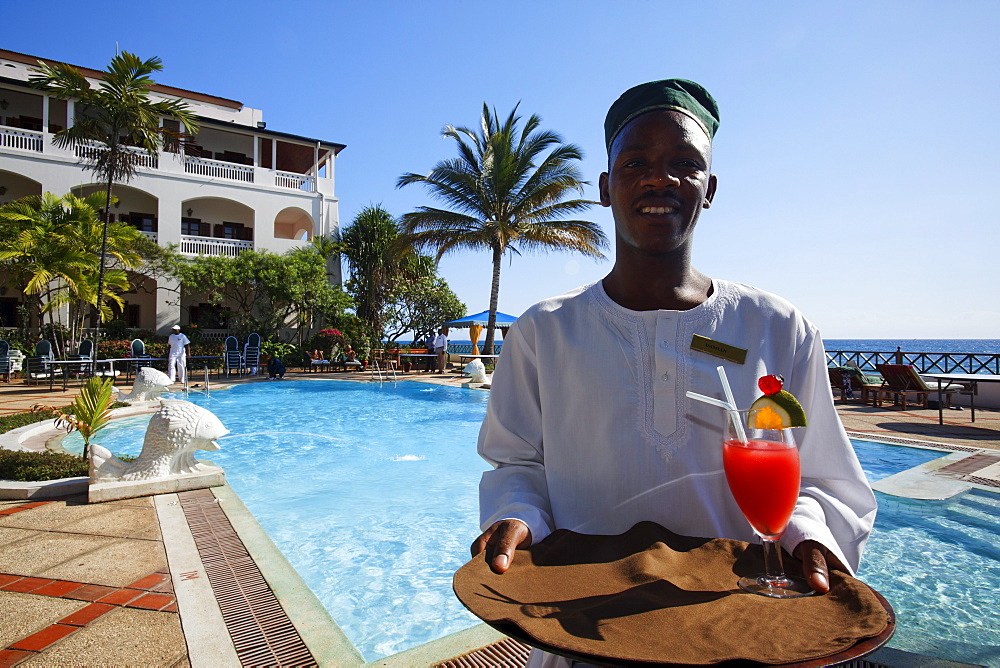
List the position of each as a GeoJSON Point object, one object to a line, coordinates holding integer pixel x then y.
{"type": "Point", "coordinates": [589, 428]}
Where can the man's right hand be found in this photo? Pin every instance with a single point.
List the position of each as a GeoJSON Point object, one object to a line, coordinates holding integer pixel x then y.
{"type": "Point", "coordinates": [500, 541]}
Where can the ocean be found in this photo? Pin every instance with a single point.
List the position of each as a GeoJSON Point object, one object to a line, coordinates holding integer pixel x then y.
{"type": "Point", "coordinates": [972, 346]}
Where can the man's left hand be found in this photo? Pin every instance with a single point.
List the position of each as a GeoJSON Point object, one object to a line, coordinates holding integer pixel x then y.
{"type": "Point", "coordinates": [817, 561]}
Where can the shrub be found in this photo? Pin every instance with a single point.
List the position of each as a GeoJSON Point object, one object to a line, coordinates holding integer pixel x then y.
{"type": "Point", "coordinates": [15, 420]}
{"type": "Point", "coordinates": [8, 422]}
{"type": "Point", "coordinates": [277, 349]}
{"type": "Point", "coordinates": [297, 357]}
{"type": "Point", "coordinates": [40, 466]}
{"type": "Point", "coordinates": [36, 466]}
{"type": "Point", "coordinates": [327, 340]}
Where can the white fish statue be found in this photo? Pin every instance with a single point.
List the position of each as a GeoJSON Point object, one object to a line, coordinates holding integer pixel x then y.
{"type": "Point", "coordinates": [149, 384]}
{"type": "Point", "coordinates": [175, 431]}
{"type": "Point", "coordinates": [476, 371]}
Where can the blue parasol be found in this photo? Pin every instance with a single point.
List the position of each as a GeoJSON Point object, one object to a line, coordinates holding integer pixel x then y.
{"type": "Point", "coordinates": [482, 319]}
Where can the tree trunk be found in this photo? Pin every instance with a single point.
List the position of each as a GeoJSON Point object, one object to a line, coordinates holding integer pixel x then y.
{"type": "Point", "coordinates": [96, 322]}
{"type": "Point", "coordinates": [491, 324]}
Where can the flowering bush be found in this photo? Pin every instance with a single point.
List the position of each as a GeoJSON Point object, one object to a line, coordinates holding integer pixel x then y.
{"type": "Point", "coordinates": [119, 349]}
{"type": "Point", "coordinates": [329, 341]}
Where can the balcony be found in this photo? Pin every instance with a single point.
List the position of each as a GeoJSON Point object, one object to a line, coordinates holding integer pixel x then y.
{"type": "Point", "coordinates": [295, 181]}
{"type": "Point", "coordinates": [91, 150]}
{"type": "Point", "coordinates": [168, 163]}
{"type": "Point", "coordinates": [22, 140]}
{"type": "Point", "coordinates": [218, 169]}
{"type": "Point", "coordinates": [191, 245]}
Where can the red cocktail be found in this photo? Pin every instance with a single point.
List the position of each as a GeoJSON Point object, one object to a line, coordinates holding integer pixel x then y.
{"type": "Point", "coordinates": [762, 469]}
{"type": "Point", "coordinates": [764, 479]}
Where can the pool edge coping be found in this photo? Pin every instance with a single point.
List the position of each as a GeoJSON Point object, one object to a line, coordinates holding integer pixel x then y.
{"type": "Point", "coordinates": [320, 632]}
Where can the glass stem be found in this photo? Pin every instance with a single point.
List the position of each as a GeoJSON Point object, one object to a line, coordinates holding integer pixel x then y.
{"type": "Point", "coordinates": [774, 572]}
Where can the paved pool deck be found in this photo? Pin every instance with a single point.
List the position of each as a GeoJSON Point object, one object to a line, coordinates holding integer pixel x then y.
{"type": "Point", "coordinates": [190, 579]}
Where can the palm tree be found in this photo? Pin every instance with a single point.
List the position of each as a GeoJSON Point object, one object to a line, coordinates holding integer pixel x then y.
{"type": "Point", "coordinates": [115, 124]}
{"type": "Point", "coordinates": [507, 194]}
{"type": "Point", "coordinates": [47, 245]}
{"type": "Point", "coordinates": [35, 252]}
{"type": "Point", "coordinates": [368, 245]}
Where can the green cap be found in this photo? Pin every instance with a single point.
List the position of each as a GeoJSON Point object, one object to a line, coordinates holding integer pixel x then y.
{"type": "Point", "coordinates": [680, 95]}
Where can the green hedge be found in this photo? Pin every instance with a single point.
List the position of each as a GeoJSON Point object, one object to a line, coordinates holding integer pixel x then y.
{"type": "Point", "coordinates": [39, 466]}
{"type": "Point", "coordinates": [8, 422]}
{"type": "Point", "coordinates": [117, 349]}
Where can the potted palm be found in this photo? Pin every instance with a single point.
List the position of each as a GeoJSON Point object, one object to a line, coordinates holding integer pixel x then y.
{"type": "Point", "coordinates": [89, 413]}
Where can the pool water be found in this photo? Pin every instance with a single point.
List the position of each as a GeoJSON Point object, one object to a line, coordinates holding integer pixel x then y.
{"type": "Point", "coordinates": [370, 491]}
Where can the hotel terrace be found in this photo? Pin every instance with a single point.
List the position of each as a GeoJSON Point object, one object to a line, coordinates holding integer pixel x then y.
{"type": "Point", "coordinates": [238, 186]}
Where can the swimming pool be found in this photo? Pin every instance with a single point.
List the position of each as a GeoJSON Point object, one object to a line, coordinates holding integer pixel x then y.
{"type": "Point", "coordinates": [342, 474]}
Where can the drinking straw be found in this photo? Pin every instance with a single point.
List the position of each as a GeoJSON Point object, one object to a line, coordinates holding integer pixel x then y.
{"type": "Point", "coordinates": [711, 400]}
{"type": "Point", "coordinates": [732, 402]}
{"type": "Point", "coordinates": [731, 412]}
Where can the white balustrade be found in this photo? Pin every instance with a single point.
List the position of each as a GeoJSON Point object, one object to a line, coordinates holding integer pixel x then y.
{"type": "Point", "coordinates": [295, 181]}
{"type": "Point", "coordinates": [191, 245]}
{"type": "Point", "coordinates": [218, 169]}
{"type": "Point", "coordinates": [152, 236]}
{"type": "Point", "coordinates": [24, 140]}
{"type": "Point", "coordinates": [91, 150]}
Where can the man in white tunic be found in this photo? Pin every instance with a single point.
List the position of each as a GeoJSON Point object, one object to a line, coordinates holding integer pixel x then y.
{"type": "Point", "coordinates": [177, 357]}
{"type": "Point", "coordinates": [588, 426]}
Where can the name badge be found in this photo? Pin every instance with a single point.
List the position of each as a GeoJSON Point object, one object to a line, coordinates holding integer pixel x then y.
{"type": "Point", "coordinates": [704, 344]}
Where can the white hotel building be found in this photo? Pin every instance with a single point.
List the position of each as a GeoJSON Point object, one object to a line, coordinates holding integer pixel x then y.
{"type": "Point", "coordinates": [240, 186]}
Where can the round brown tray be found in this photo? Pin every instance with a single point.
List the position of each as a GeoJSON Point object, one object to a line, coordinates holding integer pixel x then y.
{"type": "Point", "coordinates": [862, 648]}
{"type": "Point", "coordinates": [651, 597]}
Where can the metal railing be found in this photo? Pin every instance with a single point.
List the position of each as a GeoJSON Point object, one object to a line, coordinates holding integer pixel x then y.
{"type": "Point", "coordinates": [295, 181]}
{"type": "Point", "coordinates": [376, 371]}
{"type": "Point", "coordinates": [466, 348]}
{"type": "Point", "coordinates": [922, 362]}
{"type": "Point", "coordinates": [191, 245]}
{"type": "Point", "coordinates": [218, 169]}
{"type": "Point", "coordinates": [24, 140]}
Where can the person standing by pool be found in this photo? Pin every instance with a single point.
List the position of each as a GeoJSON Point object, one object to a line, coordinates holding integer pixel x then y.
{"type": "Point", "coordinates": [177, 357]}
{"type": "Point", "coordinates": [441, 349]}
{"type": "Point", "coordinates": [588, 426]}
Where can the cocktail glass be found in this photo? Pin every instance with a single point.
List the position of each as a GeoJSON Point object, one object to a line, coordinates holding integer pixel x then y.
{"type": "Point", "coordinates": [762, 469]}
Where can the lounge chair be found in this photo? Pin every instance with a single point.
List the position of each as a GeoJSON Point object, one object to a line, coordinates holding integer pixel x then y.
{"type": "Point", "coordinates": [5, 363]}
{"type": "Point", "coordinates": [36, 368]}
{"type": "Point", "coordinates": [43, 349]}
{"type": "Point", "coordinates": [86, 350]}
{"type": "Point", "coordinates": [139, 355]}
{"type": "Point", "coordinates": [851, 381]}
{"type": "Point", "coordinates": [902, 380]}
{"type": "Point", "coordinates": [317, 363]}
{"type": "Point", "coordinates": [84, 353]}
{"type": "Point", "coordinates": [251, 354]}
{"type": "Point", "coordinates": [341, 362]}
{"type": "Point", "coordinates": [233, 358]}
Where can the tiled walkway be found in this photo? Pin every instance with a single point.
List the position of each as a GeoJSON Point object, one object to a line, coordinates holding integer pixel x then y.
{"type": "Point", "coordinates": [85, 585]}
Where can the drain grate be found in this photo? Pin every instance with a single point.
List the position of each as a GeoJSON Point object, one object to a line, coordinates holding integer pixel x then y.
{"type": "Point", "coordinates": [261, 631]}
{"type": "Point", "coordinates": [970, 464]}
{"type": "Point", "coordinates": [506, 653]}
{"type": "Point", "coordinates": [897, 440]}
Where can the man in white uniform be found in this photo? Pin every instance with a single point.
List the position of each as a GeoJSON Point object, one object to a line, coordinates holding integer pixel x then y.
{"type": "Point", "coordinates": [177, 357]}
{"type": "Point", "coordinates": [588, 425]}
{"type": "Point", "coordinates": [441, 349]}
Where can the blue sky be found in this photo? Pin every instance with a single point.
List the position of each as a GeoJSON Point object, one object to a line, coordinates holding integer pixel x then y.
{"type": "Point", "coordinates": [858, 154]}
